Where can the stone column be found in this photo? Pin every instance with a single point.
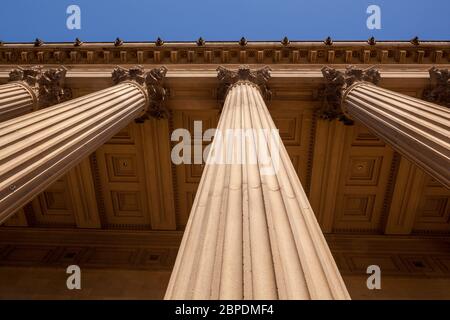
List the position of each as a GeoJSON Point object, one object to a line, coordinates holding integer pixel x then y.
{"type": "Point", "coordinates": [31, 89]}
{"type": "Point", "coordinates": [37, 148]}
{"type": "Point", "coordinates": [251, 233]}
{"type": "Point", "coordinates": [417, 129]}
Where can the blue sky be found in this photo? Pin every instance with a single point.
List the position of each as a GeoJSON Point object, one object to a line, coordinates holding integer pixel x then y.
{"type": "Point", "coordinates": [182, 20]}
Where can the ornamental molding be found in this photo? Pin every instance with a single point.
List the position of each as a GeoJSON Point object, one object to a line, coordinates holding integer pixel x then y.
{"type": "Point", "coordinates": [46, 85]}
{"type": "Point", "coordinates": [337, 83]}
{"type": "Point", "coordinates": [229, 78]}
{"type": "Point", "coordinates": [439, 90]}
{"type": "Point", "coordinates": [285, 51]}
{"type": "Point", "coordinates": [151, 83]}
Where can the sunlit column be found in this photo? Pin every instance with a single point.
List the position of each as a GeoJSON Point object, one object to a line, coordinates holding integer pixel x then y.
{"type": "Point", "coordinates": [252, 233]}
{"type": "Point", "coordinates": [417, 129]}
{"type": "Point", "coordinates": [30, 89]}
{"type": "Point", "coordinates": [39, 147]}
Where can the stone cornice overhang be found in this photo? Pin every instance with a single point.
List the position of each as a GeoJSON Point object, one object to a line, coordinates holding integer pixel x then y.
{"type": "Point", "coordinates": [293, 52]}
{"type": "Point", "coordinates": [296, 66]}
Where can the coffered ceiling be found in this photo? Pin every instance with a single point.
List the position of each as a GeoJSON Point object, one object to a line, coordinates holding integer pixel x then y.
{"type": "Point", "coordinates": [356, 183]}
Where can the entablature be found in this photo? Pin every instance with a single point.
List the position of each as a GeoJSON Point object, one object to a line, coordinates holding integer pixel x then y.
{"type": "Point", "coordinates": [195, 86]}
{"type": "Point", "coordinates": [248, 52]}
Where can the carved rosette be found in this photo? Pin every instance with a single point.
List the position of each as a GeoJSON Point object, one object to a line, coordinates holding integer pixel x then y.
{"type": "Point", "coordinates": [151, 83]}
{"type": "Point", "coordinates": [439, 90]}
{"type": "Point", "coordinates": [337, 83]}
{"type": "Point", "coordinates": [229, 78]}
{"type": "Point", "coordinates": [46, 85]}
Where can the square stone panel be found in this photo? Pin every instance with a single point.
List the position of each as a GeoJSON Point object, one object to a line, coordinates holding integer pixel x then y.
{"type": "Point", "coordinates": [54, 201]}
{"type": "Point", "coordinates": [289, 125]}
{"type": "Point", "coordinates": [363, 171]}
{"type": "Point", "coordinates": [434, 209]}
{"type": "Point", "coordinates": [126, 203]}
{"type": "Point", "coordinates": [363, 137]}
{"type": "Point", "coordinates": [54, 206]}
{"type": "Point", "coordinates": [357, 208]}
{"type": "Point", "coordinates": [124, 136]}
{"type": "Point", "coordinates": [121, 167]}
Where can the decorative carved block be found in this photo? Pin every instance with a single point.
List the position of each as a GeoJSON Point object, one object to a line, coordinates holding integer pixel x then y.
{"type": "Point", "coordinates": [124, 136]}
{"type": "Point", "coordinates": [54, 201]}
{"type": "Point", "coordinates": [336, 83]}
{"type": "Point", "coordinates": [121, 167]}
{"type": "Point", "coordinates": [434, 209]}
{"type": "Point", "coordinates": [54, 206]}
{"type": "Point", "coordinates": [364, 138]}
{"type": "Point", "coordinates": [127, 203]}
{"type": "Point", "coordinates": [357, 208]}
{"type": "Point", "coordinates": [439, 90]}
{"type": "Point", "coordinates": [48, 85]}
{"type": "Point", "coordinates": [363, 171]}
{"type": "Point", "coordinates": [289, 125]}
{"type": "Point", "coordinates": [228, 78]}
{"type": "Point", "coordinates": [152, 81]}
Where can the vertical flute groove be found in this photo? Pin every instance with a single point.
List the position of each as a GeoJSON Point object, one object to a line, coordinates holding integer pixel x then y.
{"type": "Point", "coordinates": [267, 242]}
{"type": "Point", "coordinates": [417, 129]}
{"type": "Point", "coordinates": [15, 99]}
{"type": "Point", "coordinates": [36, 148]}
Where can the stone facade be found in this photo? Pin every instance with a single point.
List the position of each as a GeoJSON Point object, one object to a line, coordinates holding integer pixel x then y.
{"type": "Point", "coordinates": [87, 178]}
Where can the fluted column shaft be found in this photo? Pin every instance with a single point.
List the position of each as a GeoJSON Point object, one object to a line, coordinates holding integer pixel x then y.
{"type": "Point", "coordinates": [16, 99]}
{"type": "Point", "coordinates": [37, 148]}
{"type": "Point", "coordinates": [32, 88]}
{"type": "Point", "coordinates": [252, 233]}
{"type": "Point", "coordinates": [417, 129]}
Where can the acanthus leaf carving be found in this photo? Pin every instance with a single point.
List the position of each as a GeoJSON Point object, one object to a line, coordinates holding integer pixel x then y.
{"type": "Point", "coordinates": [150, 81]}
{"type": "Point", "coordinates": [337, 82]}
{"type": "Point", "coordinates": [157, 93]}
{"type": "Point", "coordinates": [228, 78]}
{"type": "Point", "coordinates": [439, 90]}
{"type": "Point", "coordinates": [136, 74]}
{"type": "Point", "coordinates": [47, 84]}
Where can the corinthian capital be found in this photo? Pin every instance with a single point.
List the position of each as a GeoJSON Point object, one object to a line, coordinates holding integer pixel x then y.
{"type": "Point", "coordinates": [151, 83]}
{"type": "Point", "coordinates": [336, 84]}
{"type": "Point", "coordinates": [229, 78]}
{"type": "Point", "coordinates": [439, 90]}
{"type": "Point", "coordinates": [47, 85]}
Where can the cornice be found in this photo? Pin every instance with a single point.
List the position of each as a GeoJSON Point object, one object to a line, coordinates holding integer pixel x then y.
{"type": "Point", "coordinates": [248, 52]}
